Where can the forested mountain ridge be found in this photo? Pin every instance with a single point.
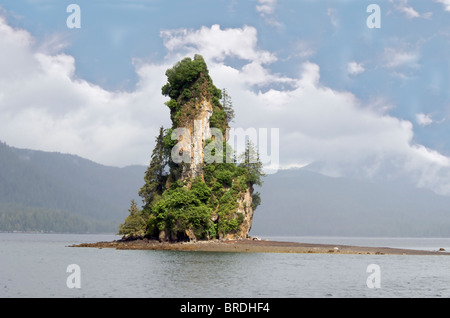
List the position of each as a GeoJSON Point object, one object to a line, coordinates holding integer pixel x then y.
{"type": "Point", "coordinates": [76, 194]}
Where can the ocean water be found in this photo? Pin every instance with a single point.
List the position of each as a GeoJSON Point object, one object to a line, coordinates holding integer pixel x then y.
{"type": "Point", "coordinates": [36, 265]}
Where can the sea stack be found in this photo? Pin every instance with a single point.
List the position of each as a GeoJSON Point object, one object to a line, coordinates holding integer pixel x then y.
{"type": "Point", "coordinates": [196, 187]}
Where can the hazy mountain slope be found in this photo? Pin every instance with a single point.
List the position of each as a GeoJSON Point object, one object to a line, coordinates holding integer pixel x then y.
{"type": "Point", "coordinates": [300, 202]}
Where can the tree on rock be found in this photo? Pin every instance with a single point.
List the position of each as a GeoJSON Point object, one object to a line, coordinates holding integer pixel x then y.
{"type": "Point", "coordinates": [227, 105]}
{"type": "Point", "coordinates": [155, 176]}
{"type": "Point", "coordinates": [135, 225]}
{"type": "Point", "coordinates": [252, 164]}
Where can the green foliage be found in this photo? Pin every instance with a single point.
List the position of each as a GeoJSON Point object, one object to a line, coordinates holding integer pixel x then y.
{"type": "Point", "coordinates": [252, 165]}
{"type": "Point", "coordinates": [181, 209]}
{"type": "Point", "coordinates": [172, 104]}
{"type": "Point", "coordinates": [225, 177]}
{"type": "Point", "coordinates": [155, 176]}
{"type": "Point", "coordinates": [201, 190]}
{"type": "Point", "coordinates": [240, 183]}
{"type": "Point", "coordinates": [218, 119]}
{"type": "Point", "coordinates": [182, 76]}
{"type": "Point", "coordinates": [256, 200]}
{"type": "Point", "coordinates": [135, 224]}
{"type": "Point", "coordinates": [227, 105]}
{"type": "Point", "coordinates": [168, 142]}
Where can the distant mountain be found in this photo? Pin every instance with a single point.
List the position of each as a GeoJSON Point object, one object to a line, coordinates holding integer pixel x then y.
{"type": "Point", "coordinates": [301, 203]}
{"type": "Point", "coordinates": [78, 195]}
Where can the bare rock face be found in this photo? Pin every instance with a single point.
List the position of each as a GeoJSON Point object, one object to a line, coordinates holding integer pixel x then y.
{"type": "Point", "coordinates": [245, 208]}
{"type": "Point", "coordinates": [162, 236]}
{"type": "Point", "coordinates": [190, 234]}
{"type": "Point", "coordinates": [200, 132]}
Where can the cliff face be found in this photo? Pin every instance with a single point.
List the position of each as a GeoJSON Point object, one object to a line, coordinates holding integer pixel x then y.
{"type": "Point", "coordinates": [246, 209]}
{"type": "Point", "coordinates": [200, 131]}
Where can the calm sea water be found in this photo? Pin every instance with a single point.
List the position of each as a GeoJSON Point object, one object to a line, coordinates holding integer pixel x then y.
{"type": "Point", "coordinates": [35, 265]}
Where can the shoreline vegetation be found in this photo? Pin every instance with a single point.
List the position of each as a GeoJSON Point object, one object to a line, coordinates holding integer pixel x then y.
{"type": "Point", "coordinates": [254, 246]}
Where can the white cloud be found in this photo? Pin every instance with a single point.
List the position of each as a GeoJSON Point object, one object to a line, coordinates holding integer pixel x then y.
{"type": "Point", "coordinates": [424, 119]}
{"type": "Point", "coordinates": [332, 14]}
{"type": "Point", "coordinates": [402, 5]}
{"type": "Point", "coordinates": [304, 49]}
{"type": "Point", "coordinates": [446, 4]}
{"type": "Point", "coordinates": [266, 9]}
{"type": "Point", "coordinates": [409, 11]}
{"type": "Point", "coordinates": [395, 58]}
{"type": "Point", "coordinates": [266, 6]}
{"type": "Point", "coordinates": [355, 68]}
{"type": "Point", "coordinates": [217, 44]}
{"type": "Point", "coordinates": [380, 105]}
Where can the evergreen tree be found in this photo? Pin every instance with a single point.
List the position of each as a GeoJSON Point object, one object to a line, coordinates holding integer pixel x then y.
{"type": "Point", "coordinates": [227, 105]}
{"type": "Point", "coordinates": [135, 224]}
{"type": "Point", "coordinates": [155, 176]}
{"type": "Point", "coordinates": [250, 161]}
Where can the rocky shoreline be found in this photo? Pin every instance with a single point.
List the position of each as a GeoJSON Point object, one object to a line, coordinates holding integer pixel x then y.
{"type": "Point", "coordinates": [253, 246]}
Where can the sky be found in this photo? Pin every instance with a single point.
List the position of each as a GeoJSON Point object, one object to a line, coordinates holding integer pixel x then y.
{"type": "Point", "coordinates": [348, 98]}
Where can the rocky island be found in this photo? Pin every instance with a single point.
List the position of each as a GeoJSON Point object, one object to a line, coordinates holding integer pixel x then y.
{"type": "Point", "coordinates": [255, 246]}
